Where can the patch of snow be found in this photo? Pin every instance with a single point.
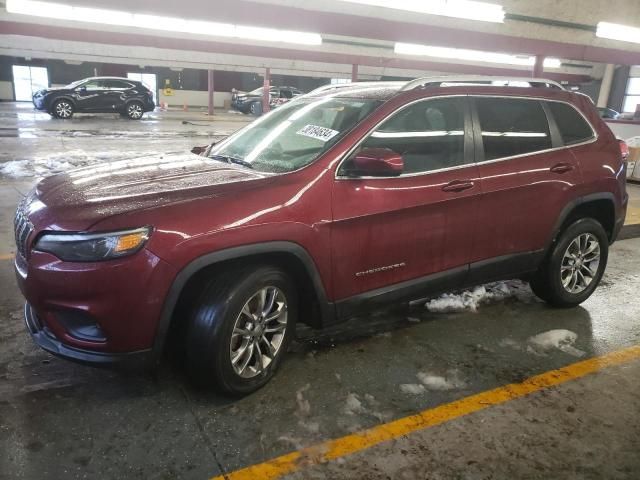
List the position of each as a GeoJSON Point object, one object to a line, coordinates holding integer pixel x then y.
{"type": "Point", "coordinates": [563, 340]}
{"type": "Point", "coordinates": [435, 382]}
{"type": "Point", "coordinates": [62, 161]}
{"type": "Point", "coordinates": [471, 299]}
{"type": "Point", "coordinates": [353, 405]}
{"type": "Point", "coordinates": [413, 319]}
{"type": "Point", "coordinates": [412, 388]}
{"type": "Point", "coordinates": [304, 407]}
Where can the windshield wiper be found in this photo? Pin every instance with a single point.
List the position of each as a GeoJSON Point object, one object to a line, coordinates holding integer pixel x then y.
{"type": "Point", "coordinates": [231, 159]}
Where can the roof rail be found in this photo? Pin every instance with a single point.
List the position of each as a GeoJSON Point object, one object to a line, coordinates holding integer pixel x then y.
{"type": "Point", "coordinates": [337, 86]}
{"type": "Point", "coordinates": [480, 79]}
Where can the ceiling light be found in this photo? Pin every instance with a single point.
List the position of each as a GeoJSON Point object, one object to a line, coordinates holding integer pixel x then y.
{"type": "Point", "coordinates": [471, 55]}
{"type": "Point", "coordinates": [468, 9]}
{"type": "Point", "coordinates": [155, 22]}
{"type": "Point", "coordinates": [616, 31]}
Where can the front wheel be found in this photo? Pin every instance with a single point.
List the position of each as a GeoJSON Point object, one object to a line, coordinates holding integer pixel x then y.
{"type": "Point", "coordinates": [135, 110]}
{"type": "Point", "coordinates": [63, 109]}
{"type": "Point", "coordinates": [239, 329]}
{"type": "Point", "coordinates": [573, 270]}
{"type": "Point", "coordinates": [256, 108]}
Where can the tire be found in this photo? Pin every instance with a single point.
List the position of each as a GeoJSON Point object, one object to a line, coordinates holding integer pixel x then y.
{"type": "Point", "coordinates": [256, 108]}
{"type": "Point", "coordinates": [220, 314]}
{"type": "Point", "coordinates": [134, 110]}
{"type": "Point", "coordinates": [62, 109]}
{"type": "Point", "coordinates": [563, 280]}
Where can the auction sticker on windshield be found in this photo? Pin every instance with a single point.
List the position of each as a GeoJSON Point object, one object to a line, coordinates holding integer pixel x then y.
{"type": "Point", "coordinates": [319, 133]}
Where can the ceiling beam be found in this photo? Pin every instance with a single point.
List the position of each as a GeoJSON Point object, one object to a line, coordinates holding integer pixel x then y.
{"type": "Point", "coordinates": [155, 41]}
{"type": "Point", "coordinates": [244, 12]}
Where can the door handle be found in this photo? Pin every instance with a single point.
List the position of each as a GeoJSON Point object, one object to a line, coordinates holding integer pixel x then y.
{"type": "Point", "coordinates": [561, 168]}
{"type": "Point", "coordinates": [458, 186]}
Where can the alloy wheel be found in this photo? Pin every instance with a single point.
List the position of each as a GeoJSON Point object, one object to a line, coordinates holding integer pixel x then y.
{"type": "Point", "coordinates": [135, 111]}
{"type": "Point", "coordinates": [259, 331]}
{"type": "Point", "coordinates": [64, 109]}
{"type": "Point", "coordinates": [580, 263]}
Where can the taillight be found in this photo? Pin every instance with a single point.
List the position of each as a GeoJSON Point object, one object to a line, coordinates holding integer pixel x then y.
{"type": "Point", "coordinates": [624, 149]}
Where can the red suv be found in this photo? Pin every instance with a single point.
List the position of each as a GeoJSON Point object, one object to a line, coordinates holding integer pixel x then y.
{"type": "Point", "coordinates": [338, 202]}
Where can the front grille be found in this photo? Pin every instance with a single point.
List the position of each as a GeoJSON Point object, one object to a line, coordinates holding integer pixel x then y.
{"type": "Point", "coordinates": [23, 228]}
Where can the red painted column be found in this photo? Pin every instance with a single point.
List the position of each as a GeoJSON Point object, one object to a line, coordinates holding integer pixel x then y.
{"type": "Point", "coordinates": [210, 89]}
{"type": "Point", "coordinates": [354, 73]}
{"type": "Point", "coordinates": [538, 67]}
{"type": "Point", "coordinates": [265, 90]}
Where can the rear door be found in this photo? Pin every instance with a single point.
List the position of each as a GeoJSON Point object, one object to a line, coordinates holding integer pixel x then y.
{"type": "Point", "coordinates": [402, 229]}
{"type": "Point", "coordinates": [116, 94]}
{"type": "Point", "coordinates": [527, 177]}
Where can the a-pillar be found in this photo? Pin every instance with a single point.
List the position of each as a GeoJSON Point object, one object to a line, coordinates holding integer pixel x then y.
{"type": "Point", "coordinates": [605, 86]}
{"type": "Point", "coordinates": [354, 73]}
{"type": "Point", "coordinates": [265, 90]}
{"type": "Point", "coordinates": [210, 91]}
{"type": "Point", "coordinates": [538, 66]}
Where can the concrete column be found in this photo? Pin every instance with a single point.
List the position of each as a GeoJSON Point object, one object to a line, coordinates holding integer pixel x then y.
{"type": "Point", "coordinates": [210, 90]}
{"type": "Point", "coordinates": [354, 73]}
{"type": "Point", "coordinates": [265, 90]}
{"type": "Point", "coordinates": [605, 86]}
{"type": "Point", "coordinates": [538, 67]}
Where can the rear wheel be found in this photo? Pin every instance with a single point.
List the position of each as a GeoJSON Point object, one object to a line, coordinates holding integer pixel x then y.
{"type": "Point", "coordinates": [62, 109]}
{"type": "Point", "coordinates": [240, 328]}
{"type": "Point", "coordinates": [135, 110]}
{"type": "Point", "coordinates": [575, 265]}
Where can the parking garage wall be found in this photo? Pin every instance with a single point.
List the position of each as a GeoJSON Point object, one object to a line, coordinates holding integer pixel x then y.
{"type": "Point", "coordinates": [63, 73]}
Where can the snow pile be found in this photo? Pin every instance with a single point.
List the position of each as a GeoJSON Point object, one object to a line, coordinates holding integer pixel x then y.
{"type": "Point", "coordinates": [353, 405]}
{"type": "Point", "coordinates": [412, 388]}
{"type": "Point", "coordinates": [484, 294]}
{"type": "Point", "coordinates": [563, 340]}
{"type": "Point", "coordinates": [435, 382]}
{"type": "Point", "coordinates": [62, 161]}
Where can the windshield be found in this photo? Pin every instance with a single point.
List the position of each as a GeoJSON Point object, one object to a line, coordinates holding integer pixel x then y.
{"type": "Point", "coordinates": [295, 134]}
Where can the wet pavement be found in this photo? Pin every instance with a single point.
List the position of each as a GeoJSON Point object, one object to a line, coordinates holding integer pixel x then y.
{"type": "Point", "coordinates": [62, 420]}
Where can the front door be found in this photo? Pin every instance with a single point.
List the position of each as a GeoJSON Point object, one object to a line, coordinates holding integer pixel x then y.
{"type": "Point", "coordinates": [386, 231]}
{"type": "Point", "coordinates": [92, 96]}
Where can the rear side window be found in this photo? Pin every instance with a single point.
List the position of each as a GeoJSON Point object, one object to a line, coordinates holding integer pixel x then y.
{"type": "Point", "coordinates": [512, 126]}
{"type": "Point", "coordinates": [573, 127]}
{"type": "Point", "coordinates": [429, 135]}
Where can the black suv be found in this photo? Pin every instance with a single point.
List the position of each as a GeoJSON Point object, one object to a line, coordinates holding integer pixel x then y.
{"type": "Point", "coordinates": [251, 102]}
{"type": "Point", "coordinates": [129, 98]}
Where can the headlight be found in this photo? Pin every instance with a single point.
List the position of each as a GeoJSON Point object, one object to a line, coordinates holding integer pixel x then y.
{"type": "Point", "coordinates": [92, 247]}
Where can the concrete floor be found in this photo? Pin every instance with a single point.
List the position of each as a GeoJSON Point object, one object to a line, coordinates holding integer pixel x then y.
{"type": "Point", "coordinates": [61, 420]}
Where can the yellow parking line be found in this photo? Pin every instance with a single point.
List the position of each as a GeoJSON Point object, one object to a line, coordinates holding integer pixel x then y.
{"type": "Point", "coordinates": [7, 256]}
{"type": "Point", "coordinates": [340, 447]}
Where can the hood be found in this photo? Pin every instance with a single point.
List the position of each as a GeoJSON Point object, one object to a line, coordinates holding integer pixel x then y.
{"type": "Point", "coordinates": [79, 198]}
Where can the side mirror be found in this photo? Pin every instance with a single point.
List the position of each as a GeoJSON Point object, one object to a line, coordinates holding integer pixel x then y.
{"type": "Point", "coordinates": [200, 150]}
{"type": "Point", "coordinates": [378, 162]}
{"type": "Point", "coordinates": [81, 89]}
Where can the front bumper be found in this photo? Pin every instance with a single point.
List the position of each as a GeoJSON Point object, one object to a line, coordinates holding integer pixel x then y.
{"type": "Point", "coordinates": [45, 339]}
{"type": "Point", "coordinates": [99, 312]}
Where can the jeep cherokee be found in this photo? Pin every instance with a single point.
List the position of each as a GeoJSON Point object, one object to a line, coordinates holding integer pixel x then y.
{"type": "Point", "coordinates": [336, 203]}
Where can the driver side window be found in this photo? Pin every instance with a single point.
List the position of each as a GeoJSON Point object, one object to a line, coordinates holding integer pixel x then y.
{"type": "Point", "coordinates": [94, 85]}
{"type": "Point", "coordinates": [429, 135]}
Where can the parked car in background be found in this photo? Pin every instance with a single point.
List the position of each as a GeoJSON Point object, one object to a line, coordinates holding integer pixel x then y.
{"type": "Point", "coordinates": [338, 203]}
{"type": "Point", "coordinates": [609, 113]}
{"type": "Point", "coordinates": [251, 102]}
{"type": "Point", "coordinates": [129, 98]}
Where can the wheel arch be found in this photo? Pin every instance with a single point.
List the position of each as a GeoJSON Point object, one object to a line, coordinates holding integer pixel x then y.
{"type": "Point", "coordinates": [290, 256]}
{"type": "Point", "coordinates": [69, 98]}
{"type": "Point", "coordinates": [600, 206]}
